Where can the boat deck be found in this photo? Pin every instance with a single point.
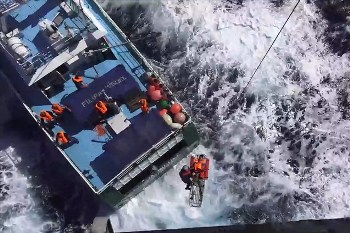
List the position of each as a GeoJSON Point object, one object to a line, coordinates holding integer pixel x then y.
{"type": "Point", "coordinates": [99, 157]}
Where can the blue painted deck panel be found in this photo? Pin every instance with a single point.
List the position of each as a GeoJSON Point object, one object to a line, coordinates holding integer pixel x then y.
{"type": "Point", "coordinates": [99, 158]}
{"type": "Point", "coordinates": [145, 131]}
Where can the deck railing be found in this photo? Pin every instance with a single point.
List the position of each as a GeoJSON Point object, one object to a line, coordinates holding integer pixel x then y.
{"type": "Point", "coordinates": [7, 5]}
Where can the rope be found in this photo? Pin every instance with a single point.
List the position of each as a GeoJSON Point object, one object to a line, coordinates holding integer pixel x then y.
{"type": "Point", "coordinates": [257, 68]}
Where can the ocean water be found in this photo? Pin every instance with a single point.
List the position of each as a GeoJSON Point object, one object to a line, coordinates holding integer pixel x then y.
{"type": "Point", "coordinates": [280, 153]}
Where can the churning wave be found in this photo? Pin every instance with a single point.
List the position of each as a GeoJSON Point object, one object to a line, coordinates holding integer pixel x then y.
{"type": "Point", "coordinates": [280, 153]}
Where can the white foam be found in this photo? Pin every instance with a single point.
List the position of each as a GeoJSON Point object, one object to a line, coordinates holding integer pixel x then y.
{"type": "Point", "coordinates": [21, 207]}
{"type": "Point", "coordinates": [240, 37]}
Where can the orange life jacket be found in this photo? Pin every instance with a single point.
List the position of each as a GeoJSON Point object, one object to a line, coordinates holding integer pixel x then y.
{"type": "Point", "coordinates": [46, 116]}
{"type": "Point", "coordinates": [199, 165]}
{"type": "Point", "coordinates": [77, 79]}
{"type": "Point", "coordinates": [101, 107]}
{"type": "Point", "coordinates": [62, 138]}
{"type": "Point", "coordinates": [58, 109]}
{"type": "Point", "coordinates": [144, 105]}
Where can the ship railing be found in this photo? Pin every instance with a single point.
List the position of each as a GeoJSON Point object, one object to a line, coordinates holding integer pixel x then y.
{"type": "Point", "coordinates": [30, 59]}
{"type": "Point", "coordinates": [7, 5]}
{"type": "Point", "coordinates": [77, 8]}
{"type": "Point", "coordinates": [66, 39]}
{"type": "Point", "coordinates": [125, 175]}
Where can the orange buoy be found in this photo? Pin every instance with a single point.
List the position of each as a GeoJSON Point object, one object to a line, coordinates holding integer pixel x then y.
{"type": "Point", "coordinates": [163, 112]}
{"type": "Point", "coordinates": [175, 108]}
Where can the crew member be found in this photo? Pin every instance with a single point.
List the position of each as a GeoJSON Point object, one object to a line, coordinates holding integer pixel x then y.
{"type": "Point", "coordinates": [46, 117]}
{"type": "Point", "coordinates": [186, 175]}
{"type": "Point", "coordinates": [144, 106]}
{"type": "Point", "coordinates": [59, 109]}
{"type": "Point", "coordinates": [107, 108]}
{"type": "Point", "coordinates": [63, 139]}
{"type": "Point", "coordinates": [199, 165]}
{"type": "Point", "coordinates": [78, 82]}
{"type": "Point", "coordinates": [102, 108]}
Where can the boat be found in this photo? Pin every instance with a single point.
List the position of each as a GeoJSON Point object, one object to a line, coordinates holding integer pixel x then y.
{"type": "Point", "coordinates": [93, 94]}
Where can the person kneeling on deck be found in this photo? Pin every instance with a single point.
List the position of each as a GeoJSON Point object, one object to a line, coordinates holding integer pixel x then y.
{"type": "Point", "coordinates": [64, 140]}
{"type": "Point", "coordinates": [106, 109]}
{"type": "Point", "coordinates": [78, 82]}
{"type": "Point", "coordinates": [144, 105]}
{"type": "Point", "coordinates": [59, 109]}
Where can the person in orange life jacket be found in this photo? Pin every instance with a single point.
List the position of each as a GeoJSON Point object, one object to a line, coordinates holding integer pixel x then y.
{"type": "Point", "coordinates": [186, 175]}
{"type": "Point", "coordinates": [63, 139]}
{"type": "Point", "coordinates": [46, 117]}
{"type": "Point", "coordinates": [78, 82]}
{"type": "Point", "coordinates": [59, 109]}
{"type": "Point", "coordinates": [144, 105]}
{"type": "Point", "coordinates": [102, 108]}
{"type": "Point", "coordinates": [106, 109]}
